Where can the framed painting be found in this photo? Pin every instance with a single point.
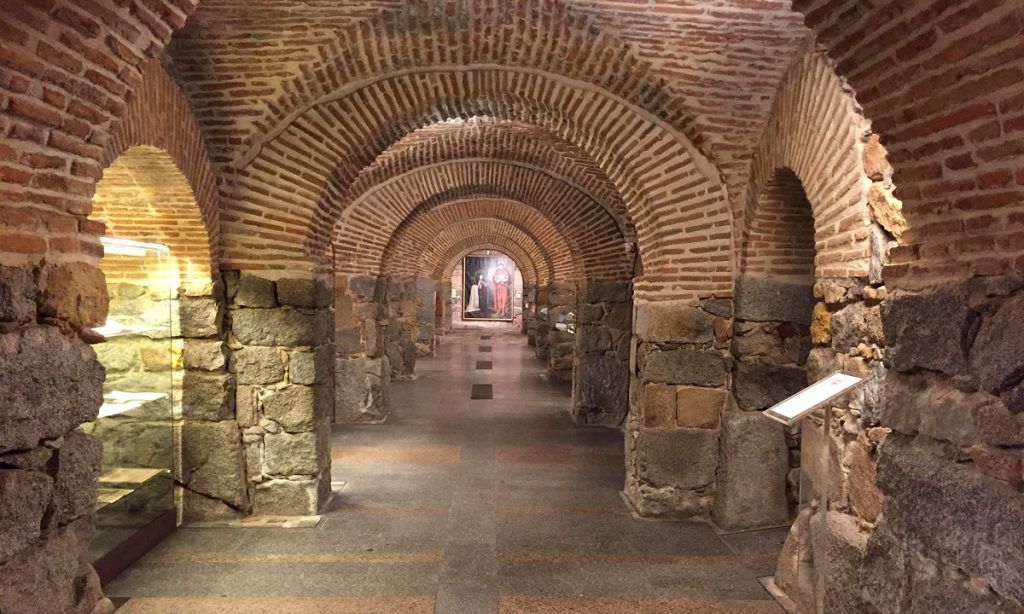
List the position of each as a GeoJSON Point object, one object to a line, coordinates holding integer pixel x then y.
{"type": "Point", "coordinates": [488, 292]}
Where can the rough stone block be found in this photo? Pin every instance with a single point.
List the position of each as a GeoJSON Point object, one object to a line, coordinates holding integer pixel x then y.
{"type": "Point", "coordinates": [24, 497]}
{"type": "Point", "coordinates": [275, 327]}
{"type": "Point", "coordinates": [680, 458]}
{"type": "Point", "coordinates": [997, 354]}
{"type": "Point", "coordinates": [721, 307]}
{"type": "Point", "coordinates": [695, 367]}
{"type": "Point", "coordinates": [43, 578]}
{"type": "Point", "coordinates": [865, 497]}
{"type": "Point", "coordinates": [51, 384]}
{"type": "Point", "coordinates": [606, 292]}
{"type": "Point", "coordinates": [349, 341]}
{"type": "Point", "coordinates": [673, 322]}
{"type": "Point", "coordinates": [292, 407]}
{"type": "Point", "coordinates": [302, 368]}
{"type": "Point", "coordinates": [286, 498]}
{"type": "Point", "coordinates": [845, 546]}
{"type": "Point", "coordinates": [259, 365]}
{"type": "Point", "coordinates": [75, 292]}
{"type": "Point", "coordinates": [618, 316]}
{"type": "Point", "coordinates": [211, 459]}
{"type": "Point", "coordinates": [75, 483]}
{"type": "Point", "coordinates": [699, 408]}
{"type": "Point", "coordinates": [659, 405]}
{"type": "Point", "coordinates": [17, 295]}
{"type": "Point", "coordinates": [759, 386]}
{"type": "Point", "coordinates": [926, 330]}
{"type": "Point", "coordinates": [856, 323]}
{"type": "Point", "coordinates": [200, 508]}
{"type": "Point", "coordinates": [601, 390]}
{"type": "Point", "coordinates": [208, 396]}
{"type": "Point", "coordinates": [118, 355]}
{"type": "Point", "coordinates": [203, 355]}
{"type": "Point", "coordinates": [307, 293]}
{"type": "Point", "coordinates": [769, 300]}
{"type": "Point", "coordinates": [254, 291]}
{"type": "Point", "coordinates": [291, 454]}
{"type": "Point", "coordinates": [199, 316]}
{"type": "Point", "coordinates": [753, 460]}
{"type": "Point", "coordinates": [593, 339]}
{"type": "Point", "coordinates": [973, 521]}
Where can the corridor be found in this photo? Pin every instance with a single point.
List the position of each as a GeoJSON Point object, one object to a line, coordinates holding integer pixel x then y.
{"type": "Point", "coordinates": [464, 505]}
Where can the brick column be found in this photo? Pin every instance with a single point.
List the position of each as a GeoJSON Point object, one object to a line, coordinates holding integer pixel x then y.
{"type": "Point", "coordinates": [283, 355]}
{"type": "Point", "coordinates": [600, 389]}
{"type": "Point", "coordinates": [362, 373]}
{"type": "Point", "coordinates": [678, 390]}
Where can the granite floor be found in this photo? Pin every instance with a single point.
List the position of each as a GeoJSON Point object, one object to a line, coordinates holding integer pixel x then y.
{"type": "Point", "coordinates": [461, 505]}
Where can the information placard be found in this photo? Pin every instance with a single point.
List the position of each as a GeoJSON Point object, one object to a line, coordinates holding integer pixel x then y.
{"type": "Point", "coordinates": [812, 397]}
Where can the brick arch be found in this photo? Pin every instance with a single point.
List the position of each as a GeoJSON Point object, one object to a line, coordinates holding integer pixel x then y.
{"type": "Point", "coordinates": [55, 136]}
{"type": "Point", "coordinates": [491, 138]}
{"type": "Point", "coordinates": [159, 116]}
{"type": "Point", "coordinates": [780, 240]}
{"type": "Point", "coordinates": [365, 232]}
{"type": "Point", "coordinates": [546, 37]}
{"type": "Point", "coordinates": [817, 132]}
{"type": "Point", "coordinates": [447, 261]}
{"type": "Point", "coordinates": [424, 224]}
{"type": "Point", "coordinates": [943, 85]}
{"type": "Point", "coordinates": [144, 196]}
{"type": "Point", "coordinates": [674, 196]}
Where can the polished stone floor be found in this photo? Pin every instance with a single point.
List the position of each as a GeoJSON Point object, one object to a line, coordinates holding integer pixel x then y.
{"type": "Point", "coordinates": [461, 505]}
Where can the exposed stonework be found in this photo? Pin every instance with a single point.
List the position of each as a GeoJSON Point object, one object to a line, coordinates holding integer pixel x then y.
{"type": "Point", "coordinates": [601, 368]}
{"type": "Point", "coordinates": [362, 371]}
{"type": "Point", "coordinates": [283, 358]}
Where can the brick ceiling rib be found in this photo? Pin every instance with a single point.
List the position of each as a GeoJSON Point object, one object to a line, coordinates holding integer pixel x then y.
{"type": "Point", "coordinates": [367, 228]}
{"type": "Point", "coordinates": [560, 260]}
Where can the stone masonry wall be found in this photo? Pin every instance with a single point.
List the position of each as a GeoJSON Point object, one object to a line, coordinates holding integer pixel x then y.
{"type": "Point", "coordinates": [362, 373]}
{"type": "Point", "coordinates": [561, 343]}
{"type": "Point", "coordinates": [758, 483]}
{"type": "Point", "coordinates": [282, 354]}
{"type": "Point", "coordinates": [401, 327]}
{"type": "Point", "coordinates": [541, 323]}
{"type": "Point", "coordinates": [679, 371]}
{"type": "Point", "coordinates": [426, 315]}
{"type": "Point", "coordinates": [601, 371]}
{"type": "Point", "coordinates": [52, 382]}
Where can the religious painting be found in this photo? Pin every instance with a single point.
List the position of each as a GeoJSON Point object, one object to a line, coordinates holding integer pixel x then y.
{"type": "Point", "coordinates": [488, 288]}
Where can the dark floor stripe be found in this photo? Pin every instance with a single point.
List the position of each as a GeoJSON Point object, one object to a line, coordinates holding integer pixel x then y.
{"type": "Point", "coordinates": [485, 348]}
{"type": "Point", "coordinates": [484, 364]}
{"type": "Point", "coordinates": [482, 391]}
{"type": "Point", "coordinates": [485, 337]}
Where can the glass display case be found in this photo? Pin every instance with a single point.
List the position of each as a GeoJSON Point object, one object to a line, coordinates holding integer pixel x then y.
{"type": "Point", "coordinates": [141, 356]}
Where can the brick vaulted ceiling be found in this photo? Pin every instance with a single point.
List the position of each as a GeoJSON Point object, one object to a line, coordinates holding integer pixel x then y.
{"type": "Point", "coordinates": [337, 121]}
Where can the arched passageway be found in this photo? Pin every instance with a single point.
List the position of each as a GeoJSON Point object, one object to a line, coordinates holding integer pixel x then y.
{"type": "Point", "coordinates": [710, 206]}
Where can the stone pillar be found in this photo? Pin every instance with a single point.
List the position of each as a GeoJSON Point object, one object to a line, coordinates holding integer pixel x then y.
{"type": "Point", "coordinates": [758, 479]}
{"type": "Point", "coordinates": [847, 335]}
{"type": "Point", "coordinates": [426, 315]}
{"type": "Point", "coordinates": [541, 323]}
{"type": "Point", "coordinates": [283, 354]}
{"type": "Point", "coordinates": [212, 474]}
{"type": "Point", "coordinates": [362, 373]}
{"type": "Point", "coordinates": [678, 390]}
{"type": "Point", "coordinates": [51, 383]}
{"type": "Point", "coordinates": [600, 392]}
{"type": "Point", "coordinates": [401, 326]}
{"type": "Point", "coordinates": [561, 343]}
{"type": "Point", "coordinates": [443, 311]}
{"type": "Point", "coordinates": [530, 314]}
